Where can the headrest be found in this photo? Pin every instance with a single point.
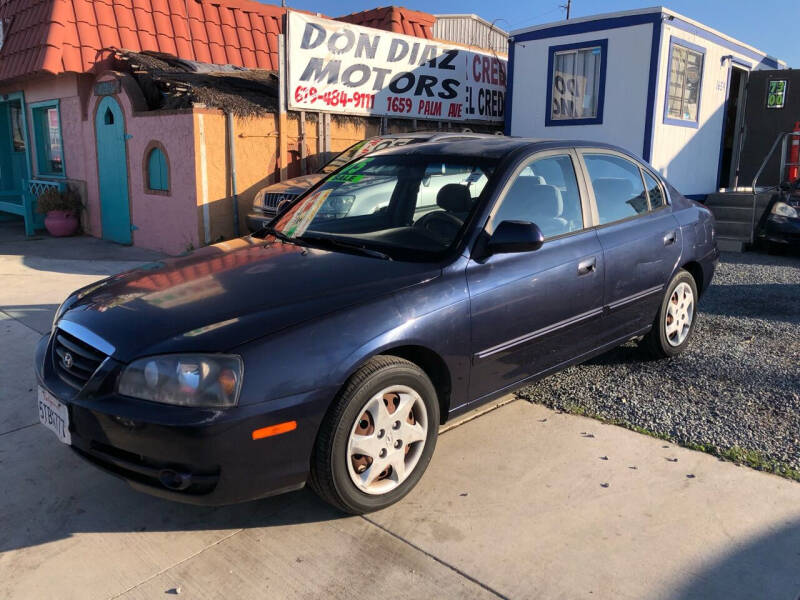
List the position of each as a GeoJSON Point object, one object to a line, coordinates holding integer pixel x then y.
{"type": "Point", "coordinates": [527, 172]}
{"type": "Point", "coordinates": [454, 198]}
{"type": "Point", "coordinates": [544, 199]}
{"type": "Point", "coordinates": [608, 188]}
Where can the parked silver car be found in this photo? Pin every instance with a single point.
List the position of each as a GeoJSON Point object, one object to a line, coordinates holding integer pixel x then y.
{"type": "Point", "coordinates": [267, 200]}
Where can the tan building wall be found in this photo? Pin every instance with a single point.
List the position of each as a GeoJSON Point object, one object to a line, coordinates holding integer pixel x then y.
{"type": "Point", "coordinates": [256, 141]}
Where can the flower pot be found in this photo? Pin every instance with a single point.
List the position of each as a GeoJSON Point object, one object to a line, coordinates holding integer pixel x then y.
{"type": "Point", "coordinates": [61, 223]}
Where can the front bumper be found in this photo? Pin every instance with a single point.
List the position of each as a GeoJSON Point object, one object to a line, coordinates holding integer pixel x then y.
{"type": "Point", "coordinates": [781, 230]}
{"type": "Point", "coordinates": [199, 456]}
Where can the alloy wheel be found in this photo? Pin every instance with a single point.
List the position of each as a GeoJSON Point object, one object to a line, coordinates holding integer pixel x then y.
{"type": "Point", "coordinates": [387, 439]}
{"type": "Point", "coordinates": [680, 312]}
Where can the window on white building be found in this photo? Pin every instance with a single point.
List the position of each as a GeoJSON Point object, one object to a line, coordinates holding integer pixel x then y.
{"type": "Point", "coordinates": [685, 81]}
{"type": "Point", "coordinates": [576, 84]}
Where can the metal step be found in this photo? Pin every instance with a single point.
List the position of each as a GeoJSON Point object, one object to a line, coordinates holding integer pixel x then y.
{"type": "Point", "coordinates": [734, 229]}
{"type": "Point", "coordinates": [732, 213]}
{"type": "Point", "coordinates": [726, 244]}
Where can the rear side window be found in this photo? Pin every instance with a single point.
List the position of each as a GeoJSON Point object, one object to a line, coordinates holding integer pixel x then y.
{"type": "Point", "coordinates": [618, 188]}
{"type": "Point", "coordinates": [546, 193]}
{"type": "Point", "coordinates": [654, 191]}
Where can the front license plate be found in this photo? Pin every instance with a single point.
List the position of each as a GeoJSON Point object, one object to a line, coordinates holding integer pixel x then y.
{"type": "Point", "coordinates": [54, 415]}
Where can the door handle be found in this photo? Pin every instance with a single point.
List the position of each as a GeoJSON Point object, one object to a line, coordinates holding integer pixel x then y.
{"type": "Point", "coordinates": [669, 238]}
{"type": "Point", "coordinates": [587, 266]}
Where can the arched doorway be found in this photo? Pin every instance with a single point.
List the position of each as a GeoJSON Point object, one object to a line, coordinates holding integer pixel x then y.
{"type": "Point", "coordinates": [112, 172]}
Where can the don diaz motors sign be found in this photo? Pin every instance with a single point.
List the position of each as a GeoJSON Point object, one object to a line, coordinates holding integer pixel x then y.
{"type": "Point", "coordinates": [344, 68]}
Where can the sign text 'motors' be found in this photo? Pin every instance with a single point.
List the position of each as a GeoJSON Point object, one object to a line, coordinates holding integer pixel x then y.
{"type": "Point", "coordinates": [359, 70]}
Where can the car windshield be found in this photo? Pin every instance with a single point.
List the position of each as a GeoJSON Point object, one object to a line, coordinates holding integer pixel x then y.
{"type": "Point", "coordinates": [365, 147]}
{"type": "Point", "coordinates": [398, 206]}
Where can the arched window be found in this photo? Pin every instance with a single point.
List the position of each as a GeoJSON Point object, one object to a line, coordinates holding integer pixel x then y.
{"type": "Point", "coordinates": [157, 176]}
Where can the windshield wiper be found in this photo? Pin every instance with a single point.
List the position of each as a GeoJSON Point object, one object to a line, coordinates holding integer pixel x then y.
{"type": "Point", "coordinates": [340, 243]}
{"type": "Point", "coordinates": [282, 236]}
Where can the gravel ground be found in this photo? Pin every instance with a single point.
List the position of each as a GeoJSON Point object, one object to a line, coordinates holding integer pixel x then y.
{"type": "Point", "coordinates": [735, 392]}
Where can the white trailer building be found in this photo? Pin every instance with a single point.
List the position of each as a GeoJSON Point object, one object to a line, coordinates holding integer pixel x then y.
{"type": "Point", "coordinates": [657, 83]}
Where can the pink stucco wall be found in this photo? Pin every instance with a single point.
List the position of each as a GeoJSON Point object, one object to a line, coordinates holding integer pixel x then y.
{"type": "Point", "coordinates": [164, 223]}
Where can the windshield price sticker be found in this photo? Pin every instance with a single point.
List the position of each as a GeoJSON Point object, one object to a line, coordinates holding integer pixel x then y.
{"type": "Point", "coordinates": [304, 213]}
{"type": "Point", "coordinates": [776, 93]}
{"type": "Point", "coordinates": [351, 173]}
{"type": "Point", "coordinates": [349, 69]}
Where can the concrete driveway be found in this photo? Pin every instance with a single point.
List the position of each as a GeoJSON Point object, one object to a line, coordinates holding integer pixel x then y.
{"type": "Point", "coordinates": [520, 502]}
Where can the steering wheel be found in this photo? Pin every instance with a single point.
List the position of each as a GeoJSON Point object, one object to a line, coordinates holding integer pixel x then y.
{"type": "Point", "coordinates": [439, 225]}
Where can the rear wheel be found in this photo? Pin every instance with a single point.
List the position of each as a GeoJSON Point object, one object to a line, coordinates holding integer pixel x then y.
{"type": "Point", "coordinates": [674, 324]}
{"type": "Point", "coordinates": [378, 437]}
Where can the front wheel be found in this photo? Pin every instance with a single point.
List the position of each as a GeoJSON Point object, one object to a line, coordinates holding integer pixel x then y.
{"type": "Point", "coordinates": [378, 437]}
{"type": "Point", "coordinates": [674, 324]}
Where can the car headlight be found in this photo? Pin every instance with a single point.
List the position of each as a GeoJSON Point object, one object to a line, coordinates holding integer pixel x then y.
{"type": "Point", "coordinates": [784, 210]}
{"type": "Point", "coordinates": [200, 380]}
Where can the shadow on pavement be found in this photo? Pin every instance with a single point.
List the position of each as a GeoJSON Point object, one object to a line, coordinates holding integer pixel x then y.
{"type": "Point", "coordinates": [768, 301]}
{"type": "Point", "coordinates": [75, 255]}
{"type": "Point", "coordinates": [767, 566]}
{"type": "Point", "coordinates": [789, 257]}
{"type": "Point", "coordinates": [38, 317]}
{"type": "Point", "coordinates": [55, 502]}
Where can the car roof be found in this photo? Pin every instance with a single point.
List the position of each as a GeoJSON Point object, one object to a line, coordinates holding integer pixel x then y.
{"type": "Point", "coordinates": [433, 135]}
{"type": "Point", "coordinates": [495, 146]}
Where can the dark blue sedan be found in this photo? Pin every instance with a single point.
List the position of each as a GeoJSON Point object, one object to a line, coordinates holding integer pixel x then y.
{"type": "Point", "coordinates": [406, 288]}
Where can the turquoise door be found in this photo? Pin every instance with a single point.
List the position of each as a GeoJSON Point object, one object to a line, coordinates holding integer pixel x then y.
{"type": "Point", "coordinates": [112, 170]}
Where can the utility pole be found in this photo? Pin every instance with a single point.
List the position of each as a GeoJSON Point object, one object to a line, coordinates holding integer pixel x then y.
{"type": "Point", "coordinates": [567, 7]}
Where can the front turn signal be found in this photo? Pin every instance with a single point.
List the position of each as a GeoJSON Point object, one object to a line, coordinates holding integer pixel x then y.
{"type": "Point", "coordinates": [265, 432]}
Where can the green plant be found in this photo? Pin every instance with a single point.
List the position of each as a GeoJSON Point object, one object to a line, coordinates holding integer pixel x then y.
{"type": "Point", "coordinates": [54, 199]}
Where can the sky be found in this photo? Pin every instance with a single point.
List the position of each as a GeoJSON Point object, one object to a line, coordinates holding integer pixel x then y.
{"type": "Point", "coordinates": [769, 25]}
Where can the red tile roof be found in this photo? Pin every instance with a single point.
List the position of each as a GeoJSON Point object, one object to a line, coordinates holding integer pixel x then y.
{"type": "Point", "coordinates": [394, 18]}
{"type": "Point", "coordinates": [57, 36]}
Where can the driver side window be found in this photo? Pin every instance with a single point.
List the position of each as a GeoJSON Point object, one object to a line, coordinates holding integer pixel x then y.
{"type": "Point", "coordinates": [545, 193]}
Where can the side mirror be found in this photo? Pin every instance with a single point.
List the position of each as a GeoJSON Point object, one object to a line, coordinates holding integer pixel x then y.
{"type": "Point", "coordinates": [515, 236]}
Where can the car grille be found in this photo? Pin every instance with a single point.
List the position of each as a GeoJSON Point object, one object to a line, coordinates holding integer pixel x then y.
{"type": "Point", "coordinates": [271, 202]}
{"type": "Point", "coordinates": [75, 361]}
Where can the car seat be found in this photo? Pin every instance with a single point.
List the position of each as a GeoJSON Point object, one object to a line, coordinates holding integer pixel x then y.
{"type": "Point", "coordinates": [528, 200]}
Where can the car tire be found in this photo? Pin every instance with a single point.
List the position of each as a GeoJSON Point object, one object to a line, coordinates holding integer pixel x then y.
{"type": "Point", "coordinates": [363, 415]}
{"type": "Point", "coordinates": [674, 325]}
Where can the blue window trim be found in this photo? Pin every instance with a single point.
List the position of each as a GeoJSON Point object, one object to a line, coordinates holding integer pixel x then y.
{"type": "Point", "coordinates": [639, 19]}
{"type": "Point", "coordinates": [763, 60]}
{"type": "Point", "coordinates": [588, 26]}
{"type": "Point", "coordinates": [652, 87]}
{"type": "Point", "coordinates": [39, 155]}
{"type": "Point", "coordinates": [509, 88]}
{"type": "Point", "coordinates": [161, 180]}
{"type": "Point", "coordinates": [601, 88]}
{"type": "Point", "coordinates": [25, 132]}
{"type": "Point", "coordinates": [676, 41]}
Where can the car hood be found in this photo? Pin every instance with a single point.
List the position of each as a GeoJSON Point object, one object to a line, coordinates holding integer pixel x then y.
{"type": "Point", "coordinates": [228, 294]}
{"type": "Point", "coordinates": [298, 185]}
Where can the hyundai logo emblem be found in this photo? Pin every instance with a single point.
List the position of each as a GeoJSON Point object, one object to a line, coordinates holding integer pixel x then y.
{"type": "Point", "coordinates": [68, 360]}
